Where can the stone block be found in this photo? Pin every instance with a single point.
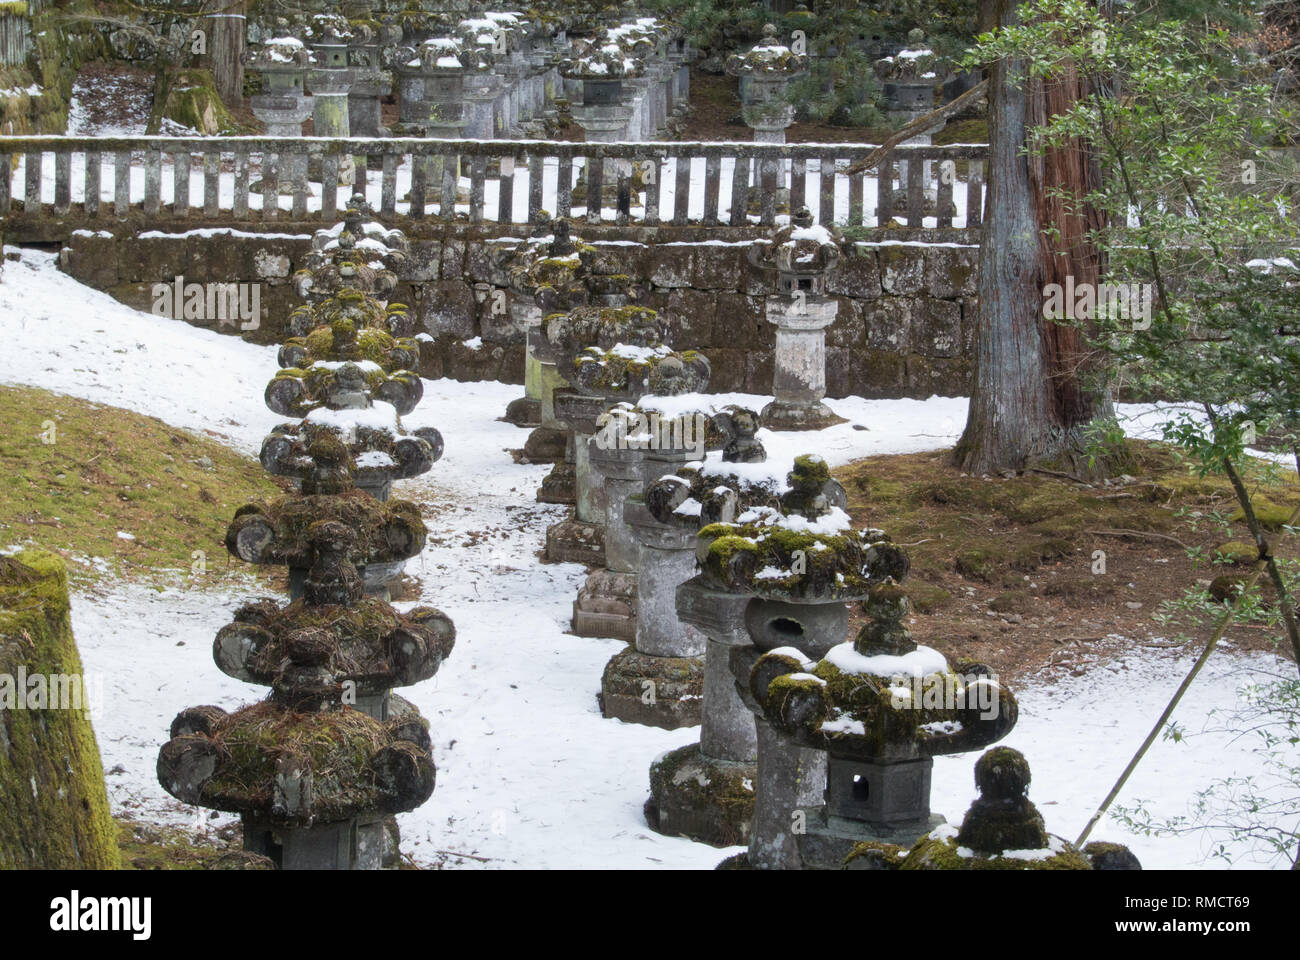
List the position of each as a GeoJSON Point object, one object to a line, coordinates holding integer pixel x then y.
{"type": "Point", "coordinates": [486, 263]}
{"type": "Point", "coordinates": [448, 307]}
{"type": "Point", "coordinates": [902, 269]}
{"type": "Point", "coordinates": [887, 323]}
{"type": "Point", "coordinates": [153, 259]}
{"type": "Point", "coordinates": [729, 368]}
{"type": "Point", "coordinates": [758, 372]}
{"type": "Point", "coordinates": [739, 321]}
{"type": "Point", "coordinates": [936, 327]}
{"type": "Point", "coordinates": [927, 376]}
{"type": "Point", "coordinates": [453, 259]}
{"type": "Point", "coordinates": [717, 267]}
{"type": "Point", "coordinates": [423, 262]}
{"type": "Point", "coordinates": [848, 329]}
{"type": "Point", "coordinates": [951, 272]}
{"type": "Point", "coordinates": [857, 275]}
{"type": "Point", "coordinates": [876, 374]}
{"type": "Point", "coordinates": [92, 259]}
{"type": "Point", "coordinates": [669, 266]}
{"type": "Point", "coordinates": [691, 315]}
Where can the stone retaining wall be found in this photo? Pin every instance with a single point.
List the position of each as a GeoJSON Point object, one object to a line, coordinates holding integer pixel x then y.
{"type": "Point", "coordinates": [904, 329]}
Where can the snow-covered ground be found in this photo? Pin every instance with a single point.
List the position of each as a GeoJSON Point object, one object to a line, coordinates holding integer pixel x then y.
{"type": "Point", "coordinates": [529, 774]}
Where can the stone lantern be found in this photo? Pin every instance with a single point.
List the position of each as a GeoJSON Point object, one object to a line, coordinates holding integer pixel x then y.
{"type": "Point", "coordinates": [330, 80]}
{"type": "Point", "coordinates": [545, 276]}
{"type": "Point", "coordinates": [765, 73]}
{"type": "Point", "coordinates": [705, 790]}
{"type": "Point", "coordinates": [371, 80]}
{"type": "Point", "coordinates": [909, 79]}
{"type": "Point", "coordinates": [482, 84]}
{"type": "Point", "coordinates": [800, 254]}
{"type": "Point", "coordinates": [775, 578]}
{"type": "Point", "coordinates": [318, 769]}
{"type": "Point", "coordinates": [435, 74]}
{"type": "Point", "coordinates": [603, 69]}
{"type": "Point", "coordinates": [282, 106]}
{"type": "Point", "coordinates": [882, 709]}
{"type": "Point", "coordinates": [600, 350]}
{"type": "Point", "coordinates": [679, 57]}
{"type": "Point", "coordinates": [1002, 830]}
{"type": "Point", "coordinates": [629, 447]}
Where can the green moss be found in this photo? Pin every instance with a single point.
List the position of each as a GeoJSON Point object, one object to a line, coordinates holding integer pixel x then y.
{"type": "Point", "coordinates": [1237, 552]}
{"type": "Point", "coordinates": [724, 794]}
{"type": "Point", "coordinates": [147, 847]}
{"type": "Point", "coordinates": [109, 470]}
{"type": "Point", "coordinates": [930, 853]}
{"type": "Point", "coordinates": [927, 597]}
{"type": "Point", "coordinates": [193, 101]}
{"type": "Point", "coordinates": [885, 856]}
{"type": "Point", "coordinates": [336, 746]}
{"type": "Point", "coordinates": [53, 805]}
{"type": "Point", "coordinates": [1271, 516]}
{"type": "Point", "coordinates": [974, 564]}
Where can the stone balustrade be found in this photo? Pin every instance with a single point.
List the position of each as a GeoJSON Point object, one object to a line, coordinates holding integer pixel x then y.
{"type": "Point", "coordinates": [85, 180]}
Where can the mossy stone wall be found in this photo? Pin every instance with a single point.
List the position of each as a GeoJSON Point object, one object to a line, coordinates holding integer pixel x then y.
{"type": "Point", "coordinates": [54, 810]}
{"type": "Point", "coordinates": [904, 326]}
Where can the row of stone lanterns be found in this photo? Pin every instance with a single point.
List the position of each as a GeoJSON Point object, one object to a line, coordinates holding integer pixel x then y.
{"type": "Point", "coordinates": [630, 81]}
{"type": "Point", "coordinates": [318, 769]}
{"type": "Point", "coordinates": [493, 75]}
{"type": "Point", "coordinates": [735, 589]}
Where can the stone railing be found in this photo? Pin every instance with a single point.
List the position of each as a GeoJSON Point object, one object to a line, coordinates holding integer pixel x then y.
{"type": "Point", "coordinates": [81, 180]}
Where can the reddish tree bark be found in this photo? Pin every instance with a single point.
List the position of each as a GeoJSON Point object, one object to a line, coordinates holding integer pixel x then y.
{"type": "Point", "coordinates": [1030, 398]}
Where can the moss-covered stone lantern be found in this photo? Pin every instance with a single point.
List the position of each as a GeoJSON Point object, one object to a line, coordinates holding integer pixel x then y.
{"type": "Point", "coordinates": [765, 72]}
{"type": "Point", "coordinates": [800, 254]}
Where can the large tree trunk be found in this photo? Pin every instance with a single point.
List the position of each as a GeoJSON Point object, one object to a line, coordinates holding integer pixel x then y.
{"type": "Point", "coordinates": [1029, 400]}
{"type": "Point", "coordinates": [226, 49]}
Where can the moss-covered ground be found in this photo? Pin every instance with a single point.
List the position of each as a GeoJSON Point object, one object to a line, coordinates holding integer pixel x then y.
{"type": "Point", "coordinates": [1037, 569]}
{"type": "Point", "coordinates": [116, 492]}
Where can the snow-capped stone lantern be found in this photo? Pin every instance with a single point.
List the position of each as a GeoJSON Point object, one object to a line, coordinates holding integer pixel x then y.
{"type": "Point", "coordinates": [881, 708]}
{"type": "Point", "coordinates": [383, 534]}
{"type": "Point", "coordinates": [765, 72]}
{"type": "Point", "coordinates": [801, 254]}
{"type": "Point", "coordinates": [317, 770]}
{"type": "Point", "coordinates": [608, 352]}
{"type": "Point", "coordinates": [705, 790]}
{"type": "Point", "coordinates": [602, 68]}
{"type": "Point", "coordinates": [330, 78]}
{"type": "Point", "coordinates": [434, 78]}
{"type": "Point", "coordinates": [1002, 830]}
{"type": "Point", "coordinates": [631, 598]}
{"type": "Point", "coordinates": [908, 80]}
{"type": "Point", "coordinates": [482, 84]}
{"type": "Point", "coordinates": [771, 578]}
{"type": "Point", "coordinates": [349, 365]}
{"type": "Point", "coordinates": [282, 106]}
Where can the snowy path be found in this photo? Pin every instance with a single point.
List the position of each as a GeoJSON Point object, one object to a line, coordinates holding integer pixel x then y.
{"type": "Point", "coordinates": [529, 774]}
